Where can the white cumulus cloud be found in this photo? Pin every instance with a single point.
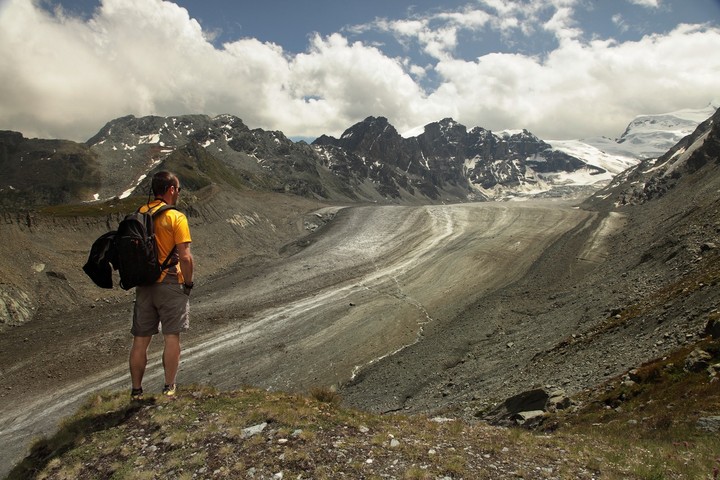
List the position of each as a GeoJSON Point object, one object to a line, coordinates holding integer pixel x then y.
{"type": "Point", "coordinates": [64, 77]}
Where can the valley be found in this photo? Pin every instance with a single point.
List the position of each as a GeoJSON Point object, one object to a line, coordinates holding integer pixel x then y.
{"type": "Point", "coordinates": [372, 282]}
{"type": "Point", "coordinates": [341, 273]}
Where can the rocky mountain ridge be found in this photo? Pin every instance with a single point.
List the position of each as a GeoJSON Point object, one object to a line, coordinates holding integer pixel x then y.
{"type": "Point", "coordinates": [379, 165]}
{"type": "Point", "coordinates": [476, 164]}
{"type": "Point", "coordinates": [37, 171]}
{"type": "Point", "coordinates": [370, 162]}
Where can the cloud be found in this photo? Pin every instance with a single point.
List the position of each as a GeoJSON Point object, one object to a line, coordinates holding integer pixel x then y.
{"type": "Point", "coordinates": [527, 16]}
{"type": "Point", "coordinates": [562, 25]}
{"type": "Point", "coordinates": [584, 88]}
{"type": "Point", "coordinates": [350, 81]}
{"type": "Point", "coordinates": [646, 3]}
{"type": "Point", "coordinates": [132, 56]}
{"type": "Point", "coordinates": [469, 18]}
{"type": "Point", "coordinates": [620, 23]}
{"type": "Point", "coordinates": [64, 77]}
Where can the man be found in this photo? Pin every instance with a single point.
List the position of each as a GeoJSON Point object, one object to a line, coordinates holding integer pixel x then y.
{"type": "Point", "coordinates": [164, 305]}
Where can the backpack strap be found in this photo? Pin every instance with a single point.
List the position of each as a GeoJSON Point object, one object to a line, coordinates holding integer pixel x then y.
{"type": "Point", "coordinates": [165, 208]}
{"type": "Point", "coordinates": [166, 263]}
{"type": "Point", "coordinates": [158, 211]}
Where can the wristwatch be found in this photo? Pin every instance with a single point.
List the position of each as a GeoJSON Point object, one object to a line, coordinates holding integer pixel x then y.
{"type": "Point", "coordinates": [187, 287]}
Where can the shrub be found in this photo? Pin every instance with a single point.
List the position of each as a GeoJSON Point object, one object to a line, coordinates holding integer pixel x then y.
{"type": "Point", "coordinates": [325, 395]}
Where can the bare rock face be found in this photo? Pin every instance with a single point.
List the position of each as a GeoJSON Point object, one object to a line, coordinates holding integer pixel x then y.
{"type": "Point", "coordinates": [447, 158]}
{"type": "Point", "coordinates": [709, 424]}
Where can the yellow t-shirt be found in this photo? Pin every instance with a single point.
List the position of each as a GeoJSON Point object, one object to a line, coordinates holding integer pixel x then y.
{"type": "Point", "coordinates": [171, 228]}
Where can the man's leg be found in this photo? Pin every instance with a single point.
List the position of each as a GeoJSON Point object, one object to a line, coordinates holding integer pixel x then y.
{"type": "Point", "coordinates": [138, 360]}
{"type": "Point", "coordinates": [171, 357]}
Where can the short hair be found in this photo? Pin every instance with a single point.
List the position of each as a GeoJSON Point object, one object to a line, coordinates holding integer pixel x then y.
{"type": "Point", "coordinates": [163, 180]}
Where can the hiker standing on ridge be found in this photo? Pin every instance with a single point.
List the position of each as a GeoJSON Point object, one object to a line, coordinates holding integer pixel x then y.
{"type": "Point", "coordinates": [164, 305]}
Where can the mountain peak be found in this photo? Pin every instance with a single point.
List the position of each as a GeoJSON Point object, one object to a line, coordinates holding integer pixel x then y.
{"type": "Point", "coordinates": [652, 135]}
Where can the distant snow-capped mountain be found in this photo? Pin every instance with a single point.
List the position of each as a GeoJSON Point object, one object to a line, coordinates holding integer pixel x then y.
{"type": "Point", "coordinates": [646, 136]}
{"type": "Point", "coordinates": [674, 174]}
{"type": "Point", "coordinates": [650, 136]}
{"type": "Point", "coordinates": [601, 159]}
{"type": "Point", "coordinates": [654, 177]}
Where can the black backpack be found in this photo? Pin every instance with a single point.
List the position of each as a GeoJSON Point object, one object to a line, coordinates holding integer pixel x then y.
{"type": "Point", "coordinates": [136, 249]}
{"type": "Point", "coordinates": [131, 250]}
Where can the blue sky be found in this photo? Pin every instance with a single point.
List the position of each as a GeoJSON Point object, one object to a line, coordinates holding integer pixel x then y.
{"type": "Point", "coordinates": [560, 68]}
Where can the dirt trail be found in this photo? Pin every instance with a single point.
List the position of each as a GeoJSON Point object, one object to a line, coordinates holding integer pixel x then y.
{"type": "Point", "coordinates": [363, 288]}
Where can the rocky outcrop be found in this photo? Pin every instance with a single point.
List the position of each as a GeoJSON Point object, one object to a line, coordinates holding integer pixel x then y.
{"type": "Point", "coordinates": [697, 361]}
{"type": "Point", "coordinates": [709, 424]}
{"type": "Point", "coordinates": [529, 408]}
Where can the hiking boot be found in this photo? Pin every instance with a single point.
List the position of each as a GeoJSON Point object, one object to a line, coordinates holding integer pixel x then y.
{"type": "Point", "coordinates": [170, 390]}
{"type": "Point", "coordinates": [136, 394]}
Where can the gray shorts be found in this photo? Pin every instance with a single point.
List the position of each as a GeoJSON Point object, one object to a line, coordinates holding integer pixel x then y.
{"type": "Point", "coordinates": [162, 305]}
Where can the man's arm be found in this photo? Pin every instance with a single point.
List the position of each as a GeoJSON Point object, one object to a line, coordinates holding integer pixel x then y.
{"type": "Point", "coordinates": [186, 261]}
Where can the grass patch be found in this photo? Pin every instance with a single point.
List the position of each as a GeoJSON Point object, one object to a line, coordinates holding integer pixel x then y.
{"type": "Point", "coordinates": [640, 429]}
{"type": "Point", "coordinates": [326, 395]}
{"type": "Point", "coordinates": [648, 420]}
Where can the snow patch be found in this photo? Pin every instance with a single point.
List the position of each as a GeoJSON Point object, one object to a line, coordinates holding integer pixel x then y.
{"type": "Point", "coordinates": [598, 155]}
{"type": "Point", "coordinates": [152, 138]}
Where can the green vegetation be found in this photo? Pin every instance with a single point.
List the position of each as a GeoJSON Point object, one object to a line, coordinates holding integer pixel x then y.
{"type": "Point", "coordinates": [648, 420]}
{"type": "Point", "coordinates": [640, 429]}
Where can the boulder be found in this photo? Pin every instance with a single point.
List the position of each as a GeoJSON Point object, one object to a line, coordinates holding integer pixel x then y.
{"type": "Point", "coordinates": [532, 418]}
{"type": "Point", "coordinates": [254, 430]}
{"type": "Point", "coordinates": [697, 361]}
{"type": "Point", "coordinates": [713, 329]}
{"type": "Point", "coordinates": [558, 400]}
{"type": "Point", "coordinates": [709, 424]}
{"type": "Point", "coordinates": [526, 401]}
{"type": "Point", "coordinates": [707, 246]}
{"type": "Point", "coordinates": [526, 408]}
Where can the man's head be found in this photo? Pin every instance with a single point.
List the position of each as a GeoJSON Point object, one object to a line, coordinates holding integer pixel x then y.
{"type": "Point", "coordinates": [166, 186]}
